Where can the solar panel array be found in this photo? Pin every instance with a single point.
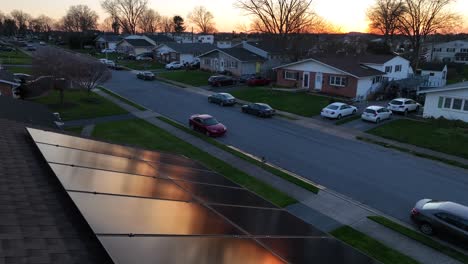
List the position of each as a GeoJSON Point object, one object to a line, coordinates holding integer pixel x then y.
{"type": "Point", "coordinates": [155, 207]}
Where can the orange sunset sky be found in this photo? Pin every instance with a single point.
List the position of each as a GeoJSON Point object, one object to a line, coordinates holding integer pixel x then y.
{"type": "Point", "coordinates": [347, 15]}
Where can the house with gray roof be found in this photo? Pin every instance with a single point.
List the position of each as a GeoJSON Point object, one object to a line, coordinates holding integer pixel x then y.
{"type": "Point", "coordinates": [181, 52]}
{"type": "Point", "coordinates": [109, 41]}
{"type": "Point", "coordinates": [134, 46]}
{"type": "Point", "coordinates": [236, 60]}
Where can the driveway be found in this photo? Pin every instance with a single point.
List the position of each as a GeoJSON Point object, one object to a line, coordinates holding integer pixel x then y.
{"type": "Point", "coordinates": [385, 179]}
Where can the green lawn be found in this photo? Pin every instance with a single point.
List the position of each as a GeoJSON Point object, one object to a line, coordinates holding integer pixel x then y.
{"type": "Point", "coordinates": [143, 134]}
{"type": "Point", "coordinates": [80, 105]}
{"type": "Point", "coordinates": [303, 104]}
{"type": "Point", "coordinates": [76, 130]}
{"type": "Point", "coordinates": [442, 138]}
{"type": "Point", "coordinates": [270, 169]}
{"type": "Point", "coordinates": [420, 238]}
{"type": "Point", "coordinates": [371, 246]}
{"type": "Point", "coordinates": [194, 78]}
{"type": "Point", "coordinates": [140, 65]}
{"type": "Point", "coordinates": [14, 57]}
{"type": "Point", "coordinates": [16, 69]}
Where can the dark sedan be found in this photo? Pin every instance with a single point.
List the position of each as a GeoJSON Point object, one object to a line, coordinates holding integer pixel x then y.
{"type": "Point", "coordinates": [258, 109]}
{"type": "Point", "coordinates": [444, 218]}
{"type": "Point", "coordinates": [221, 80]}
{"type": "Point", "coordinates": [146, 75]}
{"type": "Point", "coordinates": [258, 81]}
{"type": "Point", "coordinates": [207, 125]}
{"type": "Point", "coordinates": [222, 99]}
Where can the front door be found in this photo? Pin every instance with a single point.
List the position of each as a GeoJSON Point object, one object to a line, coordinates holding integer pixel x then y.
{"type": "Point", "coordinates": [306, 79]}
{"type": "Point", "coordinates": [318, 81]}
{"type": "Point", "coordinates": [221, 68]}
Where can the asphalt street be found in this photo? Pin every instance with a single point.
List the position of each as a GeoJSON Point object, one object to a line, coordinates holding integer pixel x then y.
{"type": "Point", "coordinates": [385, 179]}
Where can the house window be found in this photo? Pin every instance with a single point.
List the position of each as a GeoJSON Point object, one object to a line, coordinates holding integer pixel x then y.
{"type": "Point", "coordinates": [457, 104]}
{"type": "Point", "coordinates": [450, 49]}
{"type": "Point", "coordinates": [388, 69]}
{"type": "Point", "coordinates": [444, 74]}
{"type": "Point", "coordinates": [431, 74]}
{"type": "Point", "coordinates": [437, 49]}
{"type": "Point", "coordinates": [464, 50]}
{"type": "Point", "coordinates": [447, 102]}
{"type": "Point", "coordinates": [441, 102]}
{"type": "Point", "coordinates": [289, 75]}
{"type": "Point", "coordinates": [338, 81]}
{"type": "Point", "coordinates": [465, 106]}
{"type": "Point", "coordinates": [207, 61]}
{"type": "Point", "coordinates": [398, 68]}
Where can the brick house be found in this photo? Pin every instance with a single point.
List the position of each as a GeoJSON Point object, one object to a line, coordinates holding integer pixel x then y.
{"type": "Point", "coordinates": [8, 84]}
{"type": "Point", "coordinates": [335, 75]}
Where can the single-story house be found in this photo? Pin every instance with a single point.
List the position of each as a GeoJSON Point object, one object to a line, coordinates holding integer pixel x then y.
{"type": "Point", "coordinates": [109, 41]}
{"type": "Point", "coordinates": [335, 75]}
{"type": "Point", "coordinates": [134, 46]}
{"type": "Point", "coordinates": [181, 52]}
{"type": "Point", "coordinates": [237, 60]}
{"type": "Point", "coordinates": [8, 84]}
{"type": "Point", "coordinates": [435, 75]}
{"type": "Point", "coordinates": [449, 102]}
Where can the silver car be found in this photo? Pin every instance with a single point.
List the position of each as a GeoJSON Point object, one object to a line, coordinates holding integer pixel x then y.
{"type": "Point", "coordinates": [445, 218]}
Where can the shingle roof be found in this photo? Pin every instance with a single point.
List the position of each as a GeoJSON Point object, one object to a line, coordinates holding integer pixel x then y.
{"type": "Point", "coordinates": [111, 37]}
{"type": "Point", "coordinates": [191, 48]}
{"type": "Point", "coordinates": [139, 42]}
{"type": "Point", "coordinates": [269, 46]}
{"type": "Point", "coordinates": [350, 64]}
{"type": "Point", "coordinates": [433, 67]}
{"type": "Point", "coordinates": [375, 58]}
{"type": "Point", "coordinates": [160, 38]}
{"type": "Point", "coordinates": [26, 112]}
{"type": "Point", "coordinates": [239, 53]}
{"type": "Point", "coordinates": [39, 223]}
{"type": "Point", "coordinates": [7, 76]}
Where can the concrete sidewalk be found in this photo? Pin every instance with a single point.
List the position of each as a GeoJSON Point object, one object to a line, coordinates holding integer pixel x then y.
{"type": "Point", "coordinates": [327, 210]}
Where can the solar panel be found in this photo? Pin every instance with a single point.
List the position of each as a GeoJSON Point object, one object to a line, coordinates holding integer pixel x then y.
{"type": "Point", "coordinates": [150, 250]}
{"type": "Point", "coordinates": [42, 136]}
{"type": "Point", "coordinates": [91, 180]}
{"type": "Point", "coordinates": [107, 214]}
{"type": "Point", "coordinates": [151, 207]}
{"type": "Point", "coordinates": [259, 222]}
{"type": "Point", "coordinates": [216, 194]}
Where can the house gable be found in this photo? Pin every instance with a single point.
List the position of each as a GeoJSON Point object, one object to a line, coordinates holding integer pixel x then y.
{"type": "Point", "coordinates": [313, 66]}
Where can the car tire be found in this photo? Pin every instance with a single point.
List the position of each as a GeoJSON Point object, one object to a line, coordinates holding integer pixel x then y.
{"type": "Point", "coordinates": [417, 109]}
{"type": "Point", "coordinates": [390, 116]}
{"type": "Point", "coordinates": [339, 117]}
{"type": "Point", "coordinates": [377, 120]}
{"type": "Point", "coordinates": [207, 133]}
{"type": "Point", "coordinates": [243, 110]}
{"type": "Point", "coordinates": [406, 112]}
{"type": "Point", "coordinates": [221, 103]}
{"type": "Point", "coordinates": [426, 229]}
{"type": "Point", "coordinates": [191, 126]}
{"type": "Point", "coordinates": [210, 100]}
{"type": "Point", "coordinates": [354, 112]}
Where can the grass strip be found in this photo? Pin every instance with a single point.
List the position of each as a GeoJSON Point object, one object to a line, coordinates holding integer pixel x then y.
{"type": "Point", "coordinates": [347, 120]}
{"type": "Point", "coordinates": [141, 133]}
{"type": "Point", "coordinates": [238, 154]}
{"type": "Point", "coordinates": [420, 238]}
{"type": "Point", "coordinates": [194, 78]}
{"type": "Point", "coordinates": [125, 100]}
{"type": "Point", "coordinates": [76, 130]}
{"type": "Point", "coordinates": [371, 246]}
{"type": "Point", "coordinates": [418, 154]}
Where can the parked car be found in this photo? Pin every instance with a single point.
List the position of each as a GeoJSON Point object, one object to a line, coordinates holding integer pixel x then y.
{"type": "Point", "coordinates": [338, 110]}
{"type": "Point", "coordinates": [42, 43]}
{"type": "Point", "coordinates": [258, 109]}
{"type": "Point", "coordinates": [174, 65]}
{"type": "Point", "coordinates": [258, 81]}
{"type": "Point", "coordinates": [195, 64]}
{"type": "Point", "coordinates": [403, 105]}
{"type": "Point", "coordinates": [6, 48]}
{"type": "Point", "coordinates": [144, 57]}
{"type": "Point", "coordinates": [109, 63]}
{"type": "Point", "coordinates": [145, 75]}
{"type": "Point", "coordinates": [108, 50]}
{"type": "Point", "coordinates": [207, 125]}
{"type": "Point", "coordinates": [244, 77]}
{"type": "Point", "coordinates": [30, 48]}
{"type": "Point", "coordinates": [443, 217]}
{"type": "Point", "coordinates": [376, 114]}
{"type": "Point", "coordinates": [222, 99]}
{"type": "Point", "coordinates": [221, 80]}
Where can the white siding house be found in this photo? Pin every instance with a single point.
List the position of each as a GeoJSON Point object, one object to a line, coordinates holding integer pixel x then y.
{"type": "Point", "coordinates": [436, 76]}
{"type": "Point", "coordinates": [450, 102]}
{"type": "Point", "coordinates": [395, 68]}
{"type": "Point", "coordinates": [453, 51]}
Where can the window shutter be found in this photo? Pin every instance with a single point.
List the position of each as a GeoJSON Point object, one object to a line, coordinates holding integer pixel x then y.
{"type": "Point", "coordinates": [441, 101]}
{"type": "Point", "coordinates": [284, 74]}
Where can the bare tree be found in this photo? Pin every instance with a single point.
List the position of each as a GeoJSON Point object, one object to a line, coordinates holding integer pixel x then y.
{"type": "Point", "coordinates": [281, 17]}
{"type": "Point", "coordinates": [21, 19]}
{"type": "Point", "coordinates": [80, 18]}
{"type": "Point", "coordinates": [149, 21]}
{"type": "Point", "coordinates": [384, 17]}
{"type": "Point", "coordinates": [202, 19]}
{"type": "Point", "coordinates": [425, 17]}
{"type": "Point", "coordinates": [127, 12]}
{"type": "Point", "coordinates": [41, 23]}
{"type": "Point", "coordinates": [106, 24]}
{"type": "Point", "coordinates": [167, 24]}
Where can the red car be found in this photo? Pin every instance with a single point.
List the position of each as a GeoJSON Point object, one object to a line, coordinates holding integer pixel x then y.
{"type": "Point", "coordinates": [207, 125]}
{"type": "Point", "coordinates": [258, 81]}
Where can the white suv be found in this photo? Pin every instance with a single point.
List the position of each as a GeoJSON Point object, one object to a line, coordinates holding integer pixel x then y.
{"type": "Point", "coordinates": [403, 105]}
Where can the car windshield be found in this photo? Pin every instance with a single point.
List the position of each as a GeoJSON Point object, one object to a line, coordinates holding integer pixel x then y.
{"type": "Point", "coordinates": [227, 96]}
{"type": "Point", "coordinates": [396, 102]}
{"type": "Point", "coordinates": [210, 121]}
{"type": "Point", "coordinates": [332, 107]}
{"type": "Point", "coordinates": [264, 106]}
{"type": "Point", "coordinates": [370, 111]}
